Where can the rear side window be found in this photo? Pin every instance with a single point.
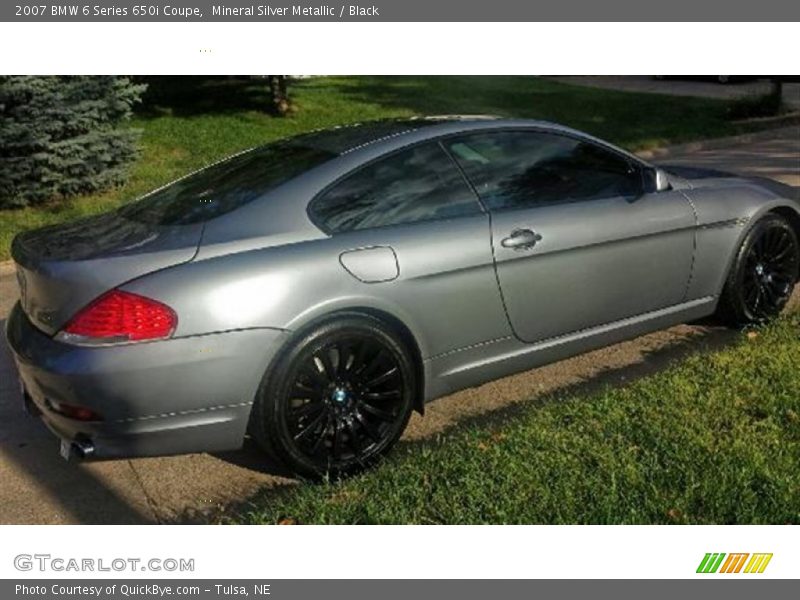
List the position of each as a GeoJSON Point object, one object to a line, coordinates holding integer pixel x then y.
{"type": "Point", "coordinates": [418, 184]}
{"type": "Point", "coordinates": [513, 169]}
{"type": "Point", "coordinates": [225, 186]}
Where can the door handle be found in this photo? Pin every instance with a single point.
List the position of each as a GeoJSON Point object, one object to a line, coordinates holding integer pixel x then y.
{"type": "Point", "coordinates": [521, 239]}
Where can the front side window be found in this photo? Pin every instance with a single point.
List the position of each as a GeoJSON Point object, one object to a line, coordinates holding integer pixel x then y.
{"type": "Point", "coordinates": [418, 184]}
{"type": "Point", "coordinates": [512, 169]}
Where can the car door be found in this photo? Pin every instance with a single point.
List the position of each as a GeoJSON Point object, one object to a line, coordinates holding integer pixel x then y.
{"type": "Point", "coordinates": [577, 243]}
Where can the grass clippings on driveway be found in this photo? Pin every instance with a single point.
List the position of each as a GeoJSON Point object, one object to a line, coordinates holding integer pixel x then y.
{"type": "Point", "coordinates": [713, 439]}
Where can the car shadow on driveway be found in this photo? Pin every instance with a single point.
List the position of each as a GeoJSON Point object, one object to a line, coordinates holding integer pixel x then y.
{"type": "Point", "coordinates": [38, 486]}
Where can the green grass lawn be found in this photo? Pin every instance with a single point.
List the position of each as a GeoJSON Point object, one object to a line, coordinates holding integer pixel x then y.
{"type": "Point", "coordinates": [188, 122]}
{"type": "Point", "coordinates": [712, 439]}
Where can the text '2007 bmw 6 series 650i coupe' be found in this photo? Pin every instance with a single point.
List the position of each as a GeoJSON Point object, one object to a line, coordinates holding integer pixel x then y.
{"type": "Point", "coordinates": [313, 292]}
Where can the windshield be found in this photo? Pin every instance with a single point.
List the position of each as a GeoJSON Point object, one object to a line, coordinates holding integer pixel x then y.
{"type": "Point", "coordinates": [226, 185]}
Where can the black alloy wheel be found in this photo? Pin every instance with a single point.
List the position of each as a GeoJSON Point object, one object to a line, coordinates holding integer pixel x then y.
{"type": "Point", "coordinates": [342, 397]}
{"type": "Point", "coordinates": [765, 273]}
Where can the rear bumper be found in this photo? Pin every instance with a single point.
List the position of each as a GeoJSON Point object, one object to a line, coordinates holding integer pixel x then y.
{"type": "Point", "coordinates": [167, 397]}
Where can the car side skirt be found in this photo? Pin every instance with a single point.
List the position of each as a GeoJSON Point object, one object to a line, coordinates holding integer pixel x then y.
{"type": "Point", "coordinates": [469, 367]}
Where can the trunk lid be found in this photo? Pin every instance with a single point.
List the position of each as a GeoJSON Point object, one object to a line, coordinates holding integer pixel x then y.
{"type": "Point", "coordinates": [60, 269]}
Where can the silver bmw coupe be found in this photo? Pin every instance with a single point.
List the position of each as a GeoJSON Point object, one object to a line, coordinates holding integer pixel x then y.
{"type": "Point", "coordinates": [313, 292]}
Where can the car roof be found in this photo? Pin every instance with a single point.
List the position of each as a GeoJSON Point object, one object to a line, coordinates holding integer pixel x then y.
{"type": "Point", "coordinates": [347, 138]}
{"type": "Point", "coordinates": [373, 138]}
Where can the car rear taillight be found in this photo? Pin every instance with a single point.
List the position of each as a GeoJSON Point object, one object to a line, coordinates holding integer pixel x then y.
{"type": "Point", "coordinates": [73, 411]}
{"type": "Point", "coordinates": [119, 316]}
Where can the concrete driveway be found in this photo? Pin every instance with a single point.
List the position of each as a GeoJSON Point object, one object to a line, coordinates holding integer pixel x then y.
{"type": "Point", "coordinates": [684, 87]}
{"type": "Point", "coordinates": [773, 153]}
{"type": "Point", "coordinates": [36, 486]}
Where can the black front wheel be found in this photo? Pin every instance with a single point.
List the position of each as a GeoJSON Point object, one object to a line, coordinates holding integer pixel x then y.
{"type": "Point", "coordinates": [338, 399]}
{"type": "Point", "coordinates": [763, 275]}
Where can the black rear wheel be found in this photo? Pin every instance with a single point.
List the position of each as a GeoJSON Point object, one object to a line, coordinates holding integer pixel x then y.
{"type": "Point", "coordinates": [763, 275]}
{"type": "Point", "coordinates": [338, 399]}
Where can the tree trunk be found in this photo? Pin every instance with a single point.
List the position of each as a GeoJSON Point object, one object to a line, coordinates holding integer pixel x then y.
{"type": "Point", "coordinates": [777, 92]}
{"type": "Point", "coordinates": [279, 95]}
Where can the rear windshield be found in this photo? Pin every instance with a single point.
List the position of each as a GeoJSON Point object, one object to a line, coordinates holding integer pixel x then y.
{"type": "Point", "coordinates": [227, 185]}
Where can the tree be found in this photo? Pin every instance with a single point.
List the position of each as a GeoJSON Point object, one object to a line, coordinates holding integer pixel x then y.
{"type": "Point", "coordinates": [61, 136]}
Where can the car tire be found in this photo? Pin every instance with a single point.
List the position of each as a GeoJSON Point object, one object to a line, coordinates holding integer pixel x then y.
{"type": "Point", "coordinates": [338, 398]}
{"type": "Point", "coordinates": [763, 274]}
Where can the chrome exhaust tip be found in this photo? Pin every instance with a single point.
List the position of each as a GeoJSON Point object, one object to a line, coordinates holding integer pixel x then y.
{"type": "Point", "coordinates": [82, 448]}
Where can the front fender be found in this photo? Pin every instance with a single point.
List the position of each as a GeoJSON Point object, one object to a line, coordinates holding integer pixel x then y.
{"type": "Point", "coordinates": [724, 216]}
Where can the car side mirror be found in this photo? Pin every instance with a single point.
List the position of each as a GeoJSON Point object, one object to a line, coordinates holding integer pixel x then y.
{"type": "Point", "coordinates": [657, 180]}
{"type": "Point", "coordinates": [662, 180]}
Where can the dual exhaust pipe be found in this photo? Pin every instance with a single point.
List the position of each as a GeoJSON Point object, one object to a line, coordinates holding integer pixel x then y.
{"type": "Point", "coordinates": [80, 448]}
{"type": "Point", "coordinates": [83, 448]}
